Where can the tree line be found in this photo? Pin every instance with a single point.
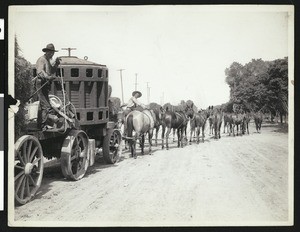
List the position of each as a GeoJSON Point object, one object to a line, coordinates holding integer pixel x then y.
{"type": "Point", "coordinates": [258, 86]}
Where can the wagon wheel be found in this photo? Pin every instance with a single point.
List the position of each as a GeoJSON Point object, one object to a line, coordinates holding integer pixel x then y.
{"type": "Point", "coordinates": [112, 148]}
{"type": "Point", "coordinates": [29, 167]}
{"type": "Point", "coordinates": [74, 154]}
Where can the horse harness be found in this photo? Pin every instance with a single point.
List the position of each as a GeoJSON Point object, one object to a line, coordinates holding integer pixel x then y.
{"type": "Point", "coordinates": [182, 120]}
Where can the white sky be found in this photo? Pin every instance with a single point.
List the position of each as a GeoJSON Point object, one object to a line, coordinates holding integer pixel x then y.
{"type": "Point", "coordinates": [182, 51]}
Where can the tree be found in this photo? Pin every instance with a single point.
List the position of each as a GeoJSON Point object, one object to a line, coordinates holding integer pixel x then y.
{"type": "Point", "coordinates": [23, 88]}
{"type": "Point", "coordinates": [278, 86]}
{"type": "Point", "coordinates": [258, 86]}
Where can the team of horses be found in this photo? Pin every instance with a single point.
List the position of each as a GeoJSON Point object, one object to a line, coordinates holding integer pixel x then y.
{"type": "Point", "coordinates": [140, 123]}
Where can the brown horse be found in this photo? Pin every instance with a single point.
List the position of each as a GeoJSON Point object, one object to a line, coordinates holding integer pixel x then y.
{"type": "Point", "coordinates": [258, 118]}
{"type": "Point", "coordinates": [173, 120]}
{"type": "Point", "coordinates": [142, 123]}
{"type": "Point", "coordinates": [197, 122]}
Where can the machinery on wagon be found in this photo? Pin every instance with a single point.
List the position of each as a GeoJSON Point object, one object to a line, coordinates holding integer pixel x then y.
{"type": "Point", "coordinates": [79, 96]}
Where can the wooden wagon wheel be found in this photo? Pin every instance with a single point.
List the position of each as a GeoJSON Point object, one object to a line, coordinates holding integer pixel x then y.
{"type": "Point", "coordinates": [29, 167]}
{"type": "Point", "coordinates": [74, 154]}
{"type": "Point", "coordinates": [112, 148]}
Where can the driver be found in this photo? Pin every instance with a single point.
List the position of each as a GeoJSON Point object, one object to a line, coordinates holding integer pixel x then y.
{"type": "Point", "coordinates": [45, 73]}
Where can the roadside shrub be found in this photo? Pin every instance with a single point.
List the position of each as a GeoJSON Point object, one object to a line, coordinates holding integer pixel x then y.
{"type": "Point", "coordinates": [23, 89]}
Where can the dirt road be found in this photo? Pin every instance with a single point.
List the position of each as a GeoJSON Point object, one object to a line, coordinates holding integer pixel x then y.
{"type": "Point", "coordinates": [235, 181]}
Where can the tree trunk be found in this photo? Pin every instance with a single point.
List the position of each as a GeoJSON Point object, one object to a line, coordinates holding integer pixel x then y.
{"type": "Point", "coordinates": [281, 118]}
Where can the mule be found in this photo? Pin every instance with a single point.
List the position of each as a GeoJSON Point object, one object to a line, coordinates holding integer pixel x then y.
{"type": "Point", "coordinates": [228, 123]}
{"type": "Point", "coordinates": [217, 118]}
{"type": "Point", "coordinates": [197, 122]}
{"type": "Point", "coordinates": [173, 120]}
{"type": "Point", "coordinates": [238, 122]}
{"type": "Point", "coordinates": [142, 123]}
{"type": "Point", "coordinates": [247, 118]}
{"type": "Point", "coordinates": [258, 118]}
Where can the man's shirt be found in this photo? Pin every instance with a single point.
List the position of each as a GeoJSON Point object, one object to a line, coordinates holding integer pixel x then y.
{"type": "Point", "coordinates": [44, 67]}
{"type": "Point", "coordinates": [133, 102]}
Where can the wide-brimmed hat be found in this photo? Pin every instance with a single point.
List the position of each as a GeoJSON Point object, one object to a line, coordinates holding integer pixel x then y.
{"type": "Point", "coordinates": [134, 92]}
{"type": "Point", "coordinates": [49, 47]}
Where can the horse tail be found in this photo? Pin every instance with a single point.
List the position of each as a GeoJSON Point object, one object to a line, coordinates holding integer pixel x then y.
{"type": "Point", "coordinates": [129, 125]}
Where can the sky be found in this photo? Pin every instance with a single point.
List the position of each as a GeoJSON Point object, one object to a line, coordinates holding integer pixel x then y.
{"type": "Point", "coordinates": [181, 51]}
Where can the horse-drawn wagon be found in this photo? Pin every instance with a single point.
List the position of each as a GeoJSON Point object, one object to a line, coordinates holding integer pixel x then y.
{"type": "Point", "coordinates": [79, 97]}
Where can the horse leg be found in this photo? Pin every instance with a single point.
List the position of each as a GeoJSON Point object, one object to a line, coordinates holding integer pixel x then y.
{"type": "Point", "coordinates": [216, 130]}
{"type": "Point", "coordinates": [203, 133]}
{"type": "Point", "coordinates": [191, 134]}
{"type": "Point", "coordinates": [198, 134]}
{"type": "Point", "coordinates": [142, 143]}
{"type": "Point", "coordinates": [167, 138]}
{"type": "Point", "coordinates": [233, 130]}
{"type": "Point", "coordinates": [126, 143]}
{"type": "Point", "coordinates": [156, 134]}
{"type": "Point", "coordinates": [132, 144]}
{"type": "Point", "coordinates": [174, 135]}
{"type": "Point", "coordinates": [178, 138]}
{"type": "Point", "coordinates": [163, 137]}
{"type": "Point", "coordinates": [150, 134]}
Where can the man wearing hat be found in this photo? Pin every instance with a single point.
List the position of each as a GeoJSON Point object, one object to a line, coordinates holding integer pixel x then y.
{"type": "Point", "coordinates": [45, 74]}
{"type": "Point", "coordinates": [132, 104]}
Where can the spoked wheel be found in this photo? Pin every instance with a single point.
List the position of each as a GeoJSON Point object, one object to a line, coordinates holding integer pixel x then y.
{"type": "Point", "coordinates": [74, 154]}
{"type": "Point", "coordinates": [112, 148]}
{"type": "Point", "coordinates": [29, 167]}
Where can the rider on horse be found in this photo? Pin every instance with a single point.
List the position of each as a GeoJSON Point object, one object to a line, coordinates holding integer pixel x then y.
{"type": "Point", "coordinates": [132, 105]}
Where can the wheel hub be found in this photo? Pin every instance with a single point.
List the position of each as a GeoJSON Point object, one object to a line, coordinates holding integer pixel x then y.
{"type": "Point", "coordinates": [28, 168]}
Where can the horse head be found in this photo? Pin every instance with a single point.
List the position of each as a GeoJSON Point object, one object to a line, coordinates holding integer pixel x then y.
{"type": "Point", "coordinates": [189, 111]}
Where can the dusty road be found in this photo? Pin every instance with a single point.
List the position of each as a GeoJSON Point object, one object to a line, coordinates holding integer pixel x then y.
{"type": "Point", "coordinates": [241, 180]}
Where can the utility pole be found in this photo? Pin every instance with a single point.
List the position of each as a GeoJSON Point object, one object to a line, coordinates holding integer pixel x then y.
{"type": "Point", "coordinates": [163, 95]}
{"type": "Point", "coordinates": [136, 82]}
{"type": "Point", "coordinates": [120, 70]}
{"type": "Point", "coordinates": [69, 50]}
